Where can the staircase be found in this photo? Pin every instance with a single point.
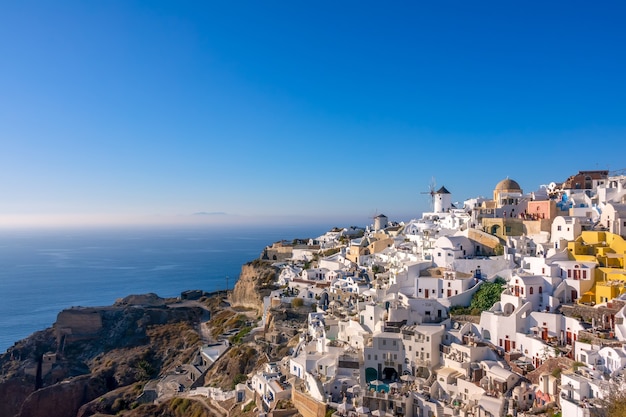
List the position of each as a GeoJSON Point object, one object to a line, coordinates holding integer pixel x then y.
{"type": "Point", "coordinates": [439, 410]}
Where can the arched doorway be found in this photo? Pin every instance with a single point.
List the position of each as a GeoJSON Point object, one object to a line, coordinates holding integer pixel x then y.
{"type": "Point", "coordinates": [390, 374]}
{"type": "Point", "coordinates": [370, 374]}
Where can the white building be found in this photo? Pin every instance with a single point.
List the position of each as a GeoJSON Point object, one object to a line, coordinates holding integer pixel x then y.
{"type": "Point", "coordinates": [579, 392]}
{"type": "Point", "coordinates": [270, 386]}
{"type": "Point", "coordinates": [614, 218]}
{"type": "Point", "coordinates": [449, 248]}
{"type": "Point", "coordinates": [568, 228]}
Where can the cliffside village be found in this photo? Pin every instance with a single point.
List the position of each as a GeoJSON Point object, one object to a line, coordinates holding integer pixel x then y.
{"type": "Point", "coordinates": [382, 341]}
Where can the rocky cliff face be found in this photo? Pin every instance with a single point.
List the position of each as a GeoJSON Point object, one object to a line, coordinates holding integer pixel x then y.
{"type": "Point", "coordinates": [92, 351]}
{"type": "Point", "coordinates": [257, 279]}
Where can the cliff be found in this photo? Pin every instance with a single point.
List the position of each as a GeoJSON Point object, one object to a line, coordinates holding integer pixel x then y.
{"type": "Point", "coordinates": [257, 280]}
{"type": "Point", "coordinates": [94, 350]}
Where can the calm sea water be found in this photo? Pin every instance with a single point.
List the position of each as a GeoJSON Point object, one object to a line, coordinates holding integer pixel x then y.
{"type": "Point", "coordinates": [43, 272]}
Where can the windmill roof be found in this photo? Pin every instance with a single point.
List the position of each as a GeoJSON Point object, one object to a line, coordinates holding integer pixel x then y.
{"type": "Point", "coordinates": [443, 190]}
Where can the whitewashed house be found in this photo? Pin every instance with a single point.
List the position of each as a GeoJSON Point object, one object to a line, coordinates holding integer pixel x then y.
{"type": "Point", "coordinates": [449, 248]}
{"type": "Point", "coordinates": [568, 228]}
{"type": "Point", "coordinates": [614, 218]}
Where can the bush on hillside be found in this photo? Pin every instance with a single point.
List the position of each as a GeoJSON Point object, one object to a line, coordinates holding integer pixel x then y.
{"type": "Point", "coordinates": [487, 295]}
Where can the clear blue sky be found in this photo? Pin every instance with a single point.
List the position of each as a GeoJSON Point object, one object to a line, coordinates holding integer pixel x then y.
{"type": "Point", "coordinates": [152, 111]}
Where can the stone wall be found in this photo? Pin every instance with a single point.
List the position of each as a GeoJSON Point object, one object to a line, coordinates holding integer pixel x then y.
{"type": "Point", "coordinates": [466, 318]}
{"type": "Point", "coordinates": [284, 413]}
{"type": "Point", "coordinates": [78, 324]}
{"type": "Point", "coordinates": [486, 241]}
{"type": "Point", "coordinates": [278, 252]}
{"type": "Point", "coordinates": [589, 313]}
{"type": "Point", "coordinates": [306, 405]}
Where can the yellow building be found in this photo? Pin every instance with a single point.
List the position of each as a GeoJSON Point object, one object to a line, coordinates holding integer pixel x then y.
{"type": "Point", "coordinates": [367, 246]}
{"type": "Point", "coordinates": [608, 250]}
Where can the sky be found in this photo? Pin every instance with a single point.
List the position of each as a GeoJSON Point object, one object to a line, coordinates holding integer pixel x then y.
{"type": "Point", "coordinates": [123, 112]}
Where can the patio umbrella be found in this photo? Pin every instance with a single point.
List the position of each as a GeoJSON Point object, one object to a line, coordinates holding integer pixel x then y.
{"type": "Point", "coordinates": [376, 382]}
{"type": "Point", "coordinates": [395, 385]}
{"type": "Point", "coordinates": [407, 378]}
{"type": "Point", "coordinates": [345, 406]}
{"type": "Point", "coordinates": [362, 409]}
{"type": "Point", "coordinates": [355, 389]}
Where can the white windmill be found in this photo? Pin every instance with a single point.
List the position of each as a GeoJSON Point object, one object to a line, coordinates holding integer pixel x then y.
{"type": "Point", "coordinates": [431, 191]}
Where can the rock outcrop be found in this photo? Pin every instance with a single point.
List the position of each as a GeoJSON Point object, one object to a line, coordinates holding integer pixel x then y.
{"type": "Point", "coordinates": [92, 351]}
{"type": "Point", "coordinates": [257, 279]}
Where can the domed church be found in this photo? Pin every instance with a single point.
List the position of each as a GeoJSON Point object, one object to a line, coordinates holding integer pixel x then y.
{"type": "Point", "coordinates": [507, 193]}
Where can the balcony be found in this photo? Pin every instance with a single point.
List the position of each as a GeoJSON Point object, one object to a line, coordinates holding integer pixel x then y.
{"type": "Point", "coordinates": [422, 362]}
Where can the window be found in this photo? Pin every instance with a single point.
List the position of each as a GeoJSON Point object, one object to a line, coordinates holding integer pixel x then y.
{"type": "Point", "coordinates": [540, 290]}
{"type": "Point", "coordinates": [531, 290]}
{"type": "Point", "coordinates": [558, 228]}
{"type": "Point", "coordinates": [508, 229]}
{"type": "Point", "coordinates": [569, 273]}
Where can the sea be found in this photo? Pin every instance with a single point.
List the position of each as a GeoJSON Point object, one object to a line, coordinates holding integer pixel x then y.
{"type": "Point", "coordinates": [45, 271]}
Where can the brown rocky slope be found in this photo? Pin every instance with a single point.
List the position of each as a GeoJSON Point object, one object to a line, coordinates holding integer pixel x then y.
{"type": "Point", "coordinates": [91, 351]}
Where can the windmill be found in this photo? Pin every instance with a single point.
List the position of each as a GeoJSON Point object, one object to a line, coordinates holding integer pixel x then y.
{"type": "Point", "coordinates": [431, 191]}
{"type": "Point", "coordinates": [379, 220]}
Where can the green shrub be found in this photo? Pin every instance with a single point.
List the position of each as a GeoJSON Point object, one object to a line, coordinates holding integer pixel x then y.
{"type": "Point", "coordinates": [239, 378]}
{"type": "Point", "coordinates": [249, 407]}
{"type": "Point", "coordinates": [236, 339]}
